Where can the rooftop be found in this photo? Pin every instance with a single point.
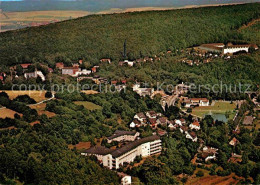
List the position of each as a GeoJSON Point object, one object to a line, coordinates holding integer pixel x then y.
{"type": "Point", "coordinates": [118, 133]}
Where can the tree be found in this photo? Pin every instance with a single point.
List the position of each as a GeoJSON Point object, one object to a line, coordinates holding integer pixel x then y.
{"type": "Point", "coordinates": [200, 173]}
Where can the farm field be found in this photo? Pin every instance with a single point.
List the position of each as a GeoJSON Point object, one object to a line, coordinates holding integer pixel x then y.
{"type": "Point", "coordinates": [36, 95]}
{"type": "Point", "coordinates": [81, 145]}
{"type": "Point", "coordinates": [41, 109]}
{"type": "Point", "coordinates": [88, 105]}
{"type": "Point", "coordinates": [16, 20]}
{"type": "Point", "coordinates": [217, 108]}
{"type": "Point", "coordinates": [216, 180]}
{"type": "Point", "coordinates": [7, 113]}
{"type": "Point", "coordinates": [90, 92]}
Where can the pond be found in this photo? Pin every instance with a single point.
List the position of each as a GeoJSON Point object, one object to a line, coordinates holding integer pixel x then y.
{"type": "Point", "coordinates": [218, 116]}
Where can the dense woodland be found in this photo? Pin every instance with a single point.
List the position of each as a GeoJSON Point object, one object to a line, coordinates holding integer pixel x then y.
{"type": "Point", "coordinates": [147, 33]}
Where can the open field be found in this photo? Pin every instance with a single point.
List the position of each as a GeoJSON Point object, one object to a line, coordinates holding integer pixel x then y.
{"type": "Point", "coordinates": [7, 113]}
{"type": "Point", "coordinates": [41, 109]}
{"type": "Point", "coordinates": [81, 145]}
{"type": "Point", "coordinates": [217, 108]}
{"type": "Point", "coordinates": [36, 95]}
{"type": "Point", "coordinates": [90, 92]}
{"type": "Point", "coordinates": [16, 20]}
{"type": "Point", "coordinates": [88, 105]}
{"type": "Point", "coordinates": [209, 180]}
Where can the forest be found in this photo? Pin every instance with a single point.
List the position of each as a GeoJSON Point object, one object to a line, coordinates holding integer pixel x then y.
{"type": "Point", "coordinates": [147, 33]}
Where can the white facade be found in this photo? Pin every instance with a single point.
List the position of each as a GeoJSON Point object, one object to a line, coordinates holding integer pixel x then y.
{"type": "Point", "coordinates": [235, 49]}
{"type": "Point", "coordinates": [143, 147]}
{"type": "Point", "coordinates": [126, 180]}
{"type": "Point", "coordinates": [196, 127]}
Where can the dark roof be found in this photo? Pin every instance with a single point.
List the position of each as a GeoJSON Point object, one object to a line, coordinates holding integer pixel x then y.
{"type": "Point", "coordinates": [100, 150]}
{"type": "Point", "coordinates": [120, 151]}
{"type": "Point", "coordinates": [248, 120]}
{"type": "Point", "coordinates": [118, 133]}
{"type": "Point", "coordinates": [141, 115]}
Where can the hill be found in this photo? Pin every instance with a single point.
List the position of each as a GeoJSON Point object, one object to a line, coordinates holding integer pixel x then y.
{"type": "Point", "coordinates": [147, 33]}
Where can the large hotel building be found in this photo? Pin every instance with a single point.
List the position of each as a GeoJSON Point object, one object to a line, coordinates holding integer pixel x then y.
{"type": "Point", "coordinates": [114, 158]}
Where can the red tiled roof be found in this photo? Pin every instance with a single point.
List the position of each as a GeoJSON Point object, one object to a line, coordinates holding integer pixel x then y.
{"type": "Point", "coordinates": [25, 66]}
{"type": "Point", "coordinates": [196, 123]}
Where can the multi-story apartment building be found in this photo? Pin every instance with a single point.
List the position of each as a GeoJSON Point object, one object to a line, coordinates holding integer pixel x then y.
{"type": "Point", "coordinates": [113, 159]}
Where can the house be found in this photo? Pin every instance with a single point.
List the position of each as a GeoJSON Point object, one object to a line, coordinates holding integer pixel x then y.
{"type": "Point", "coordinates": [113, 159]}
{"type": "Point", "coordinates": [192, 135]}
{"type": "Point", "coordinates": [171, 126]}
{"type": "Point", "coordinates": [59, 65]}
{"type": "Point", "coordinates": [152, 122]}
{"type": "Point", "coordinates": [187, 103]}
{"type": "Point", "coordinates": [184, 129]}
{"type": "Point", "coordinates": [135, 123]}
{"type": "Point", "coordinates": [75, 64]}
{"type": "Point", "coordinates": [94, 69]}
{"type": "Point", "coordinates": [248, 120]}
{"type": "Point", "coordinates": [35, 74]}
{"type": "Point", "coordinates": [80, 62]}
{"type": "Point", "coordinates": [143, 91]}
{"type": "Point", "coordinates": [237, 130]}
{"type": "Point", "coordinates": [140, 116]}
{"type": "Point", "coordinates": [195, 125]}
{"type": "Point", "coordinates": [105, 60]}
{"type": "Point", "coordinates": [151, 114]}
{"type": "Point", "coordinates": [120, 135]}
{"type": "Point", "coordinates": [183, 121]}
{"type": "Point", "coordinates": [125, 179]}
{"type": "Point", "coordinates": [212, 47]}
{"type": "Point", "coordinates": [200, 101]}
{"type": "Point", "coordinates": [72, 71]}
{"type": "Point", "coordinates": [50, 70]}
{"type": "Point", "coordinates": [209, 153]}
{"type": "Point", "coordinates": [235, 158]}
{"type": "Point", "coordinates": [178, 122]}
{"type": "Point", "coordinates": [162, 121]}
{"type": "Point", "coordinates": [25, 66]}
{"type": "Point", "coordinates": [162, 133]}
{"type": "Point", "coordinates": [234, 142]}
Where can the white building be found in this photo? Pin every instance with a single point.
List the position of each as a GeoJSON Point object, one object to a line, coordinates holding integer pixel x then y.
{"type": "Point", "coordinates": [113, 159]}
{"type": "Point", "coordinates": [195, 125]}
{"type": "Point", "coordinates": [35, 74]}
{"type": "Point", "coordinates": [143, 91]}
{"type": "Point", "coordinates": [120, 135]}
{"type": "Point", "coordinates": [125, 179]}
{"type": "Point", "coordinates": [192, 136]}
{"type": "Point", "coordinates": [236, 48]}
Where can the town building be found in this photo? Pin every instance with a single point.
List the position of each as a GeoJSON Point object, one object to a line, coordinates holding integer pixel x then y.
{"type": "Point", "coordinates": [59, 65]}
{"type": "Point", "coordinates": [35, 74]}
{"type": "Point", "coordinates": [191, 135]}
{"type": "Point", "coordinates": [113, 159]}
{"type": "Point", "coordinates": [70, 71]}
{"type": "Point", "coordinates": [105, 60]}
{"type": "Point", "coordinates": [248, 120]}
{"type": "Point", "coordinates": [140, 116]}
{"type": "Point", "coordinates": [125, 179]}
{"type": "Point", "coordinates": [234, 142]}
{"type": "Point", "coordinates": [120, 136]}
{"type": "Point", "coordinates": [195, 125]}
{"type": "Point", "coordinates": [143, 91]}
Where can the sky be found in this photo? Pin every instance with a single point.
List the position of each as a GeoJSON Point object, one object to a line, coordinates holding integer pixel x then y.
{"type": "Point", "coordinates": [99, 5]}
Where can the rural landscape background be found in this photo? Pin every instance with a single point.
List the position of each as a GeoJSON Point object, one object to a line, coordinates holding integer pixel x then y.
{"type": "Point", "coordinates": [26, 13]}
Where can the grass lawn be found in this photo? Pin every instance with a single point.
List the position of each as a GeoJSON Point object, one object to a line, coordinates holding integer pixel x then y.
{"type": "Point", "coordinates": [41, 110]}
{"type": "Point", "coordinates": [36, 95]}
{"type": "Point", "coordinates": [218, 108]}
{"type": "Point", "coordinates": [7, 113]}
{"type": "Point", "coordinates": [88, 105]}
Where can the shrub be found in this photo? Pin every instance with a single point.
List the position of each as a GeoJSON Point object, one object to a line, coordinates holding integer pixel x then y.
{"type": "Point", "coordinates": [200, 173]}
